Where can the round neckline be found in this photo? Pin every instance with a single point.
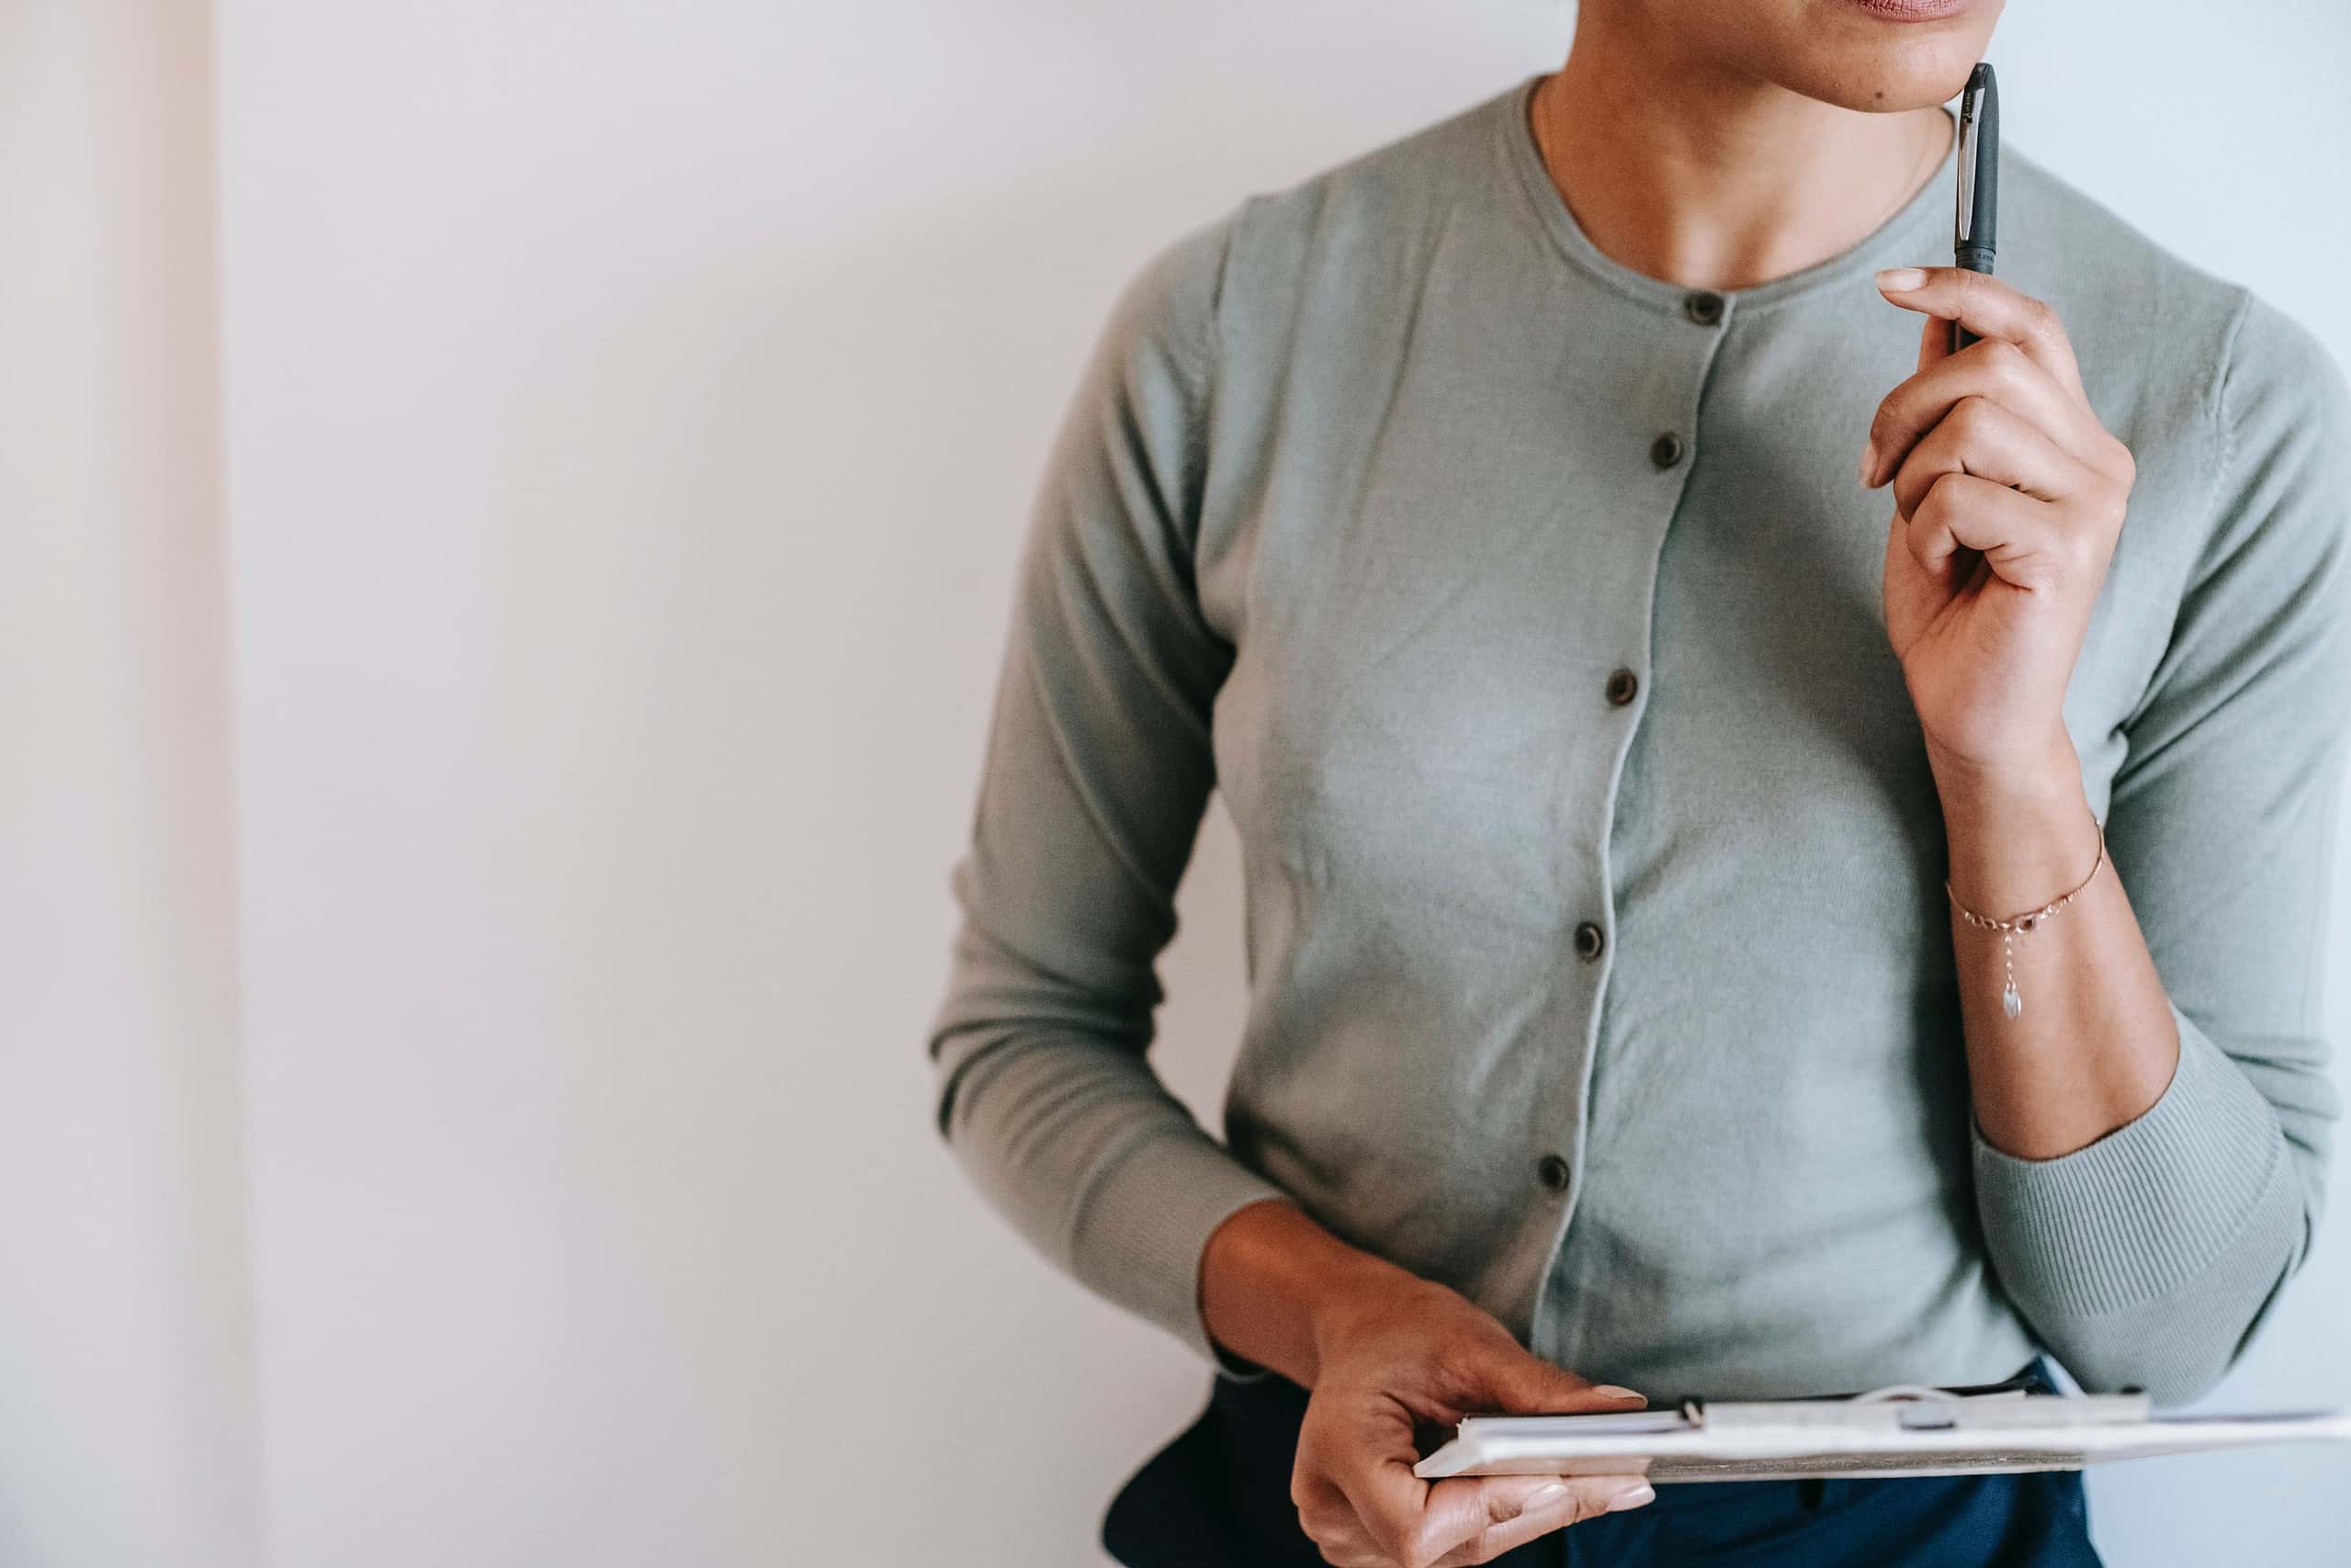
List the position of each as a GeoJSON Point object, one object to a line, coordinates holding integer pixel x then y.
{"type": "Point", "coordinates": [1891, 242]}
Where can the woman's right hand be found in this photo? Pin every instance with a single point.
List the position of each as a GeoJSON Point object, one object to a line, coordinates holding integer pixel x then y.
{"type": "Point", "coordinates": [1387, 1354]}
{"type": "Point", "coordinates": [1413, 1355]}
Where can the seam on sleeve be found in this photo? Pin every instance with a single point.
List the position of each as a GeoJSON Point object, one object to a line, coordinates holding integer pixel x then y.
{"type": "Point", "coordinates": [1206, 372]}
{"type": "Point", "coordinates": [1209, 352]}
{"type": "Point", "coordinates": [2222, 433]}
{"type": "Point", "coordinates": [2224, 428]}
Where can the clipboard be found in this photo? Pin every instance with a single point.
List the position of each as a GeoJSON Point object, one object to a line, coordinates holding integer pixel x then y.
{"type": "Point", "coordinates": [1905, 1429]}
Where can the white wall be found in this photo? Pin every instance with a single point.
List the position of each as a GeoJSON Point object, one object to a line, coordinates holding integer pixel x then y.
{"type": "Point", "coordinates": [631, 415]}
{"type": "Point", "coordinates": [126, 1418]}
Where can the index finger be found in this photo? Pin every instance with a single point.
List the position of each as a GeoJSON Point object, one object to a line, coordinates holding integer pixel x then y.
{"type": "Point", "coordinates": [1988, 308]}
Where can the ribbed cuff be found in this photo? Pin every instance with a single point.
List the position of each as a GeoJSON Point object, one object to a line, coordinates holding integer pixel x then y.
{"type": "Point", "coordinates": [1138, 1234]}
{"type": "Point", "coordinates": [2145, 1209]}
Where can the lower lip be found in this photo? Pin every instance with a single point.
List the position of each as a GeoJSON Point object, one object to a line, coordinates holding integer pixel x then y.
{"type": "Point", "coordinates": [1913, 10]}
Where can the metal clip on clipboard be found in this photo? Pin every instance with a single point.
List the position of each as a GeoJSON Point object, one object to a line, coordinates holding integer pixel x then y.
{"type": "Point", "coordinates": [2026, 1382]}
{"type": "Point", "coordinates": [1920, 1408]}
{"type": "Point", "coordinates": [2009, 1404]}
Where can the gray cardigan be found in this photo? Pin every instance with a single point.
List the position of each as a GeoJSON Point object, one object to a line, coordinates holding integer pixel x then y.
{"type": "Point", "coordinates": [1526, 612]}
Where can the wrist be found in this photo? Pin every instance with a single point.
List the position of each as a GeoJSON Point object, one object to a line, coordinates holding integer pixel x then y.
{"type": "Point", "coordinates": [2020, 833]}
{"type": "Point", "coordinates": [1277, 1290]}
{"type": "Point", "coordinates": [1356, 1294]}
{"type": "Point", "coordinates": [2034, 777]}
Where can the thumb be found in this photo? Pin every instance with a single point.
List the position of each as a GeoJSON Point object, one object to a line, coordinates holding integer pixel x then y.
{"type": "Point", "coordinates": [1520, 1382]}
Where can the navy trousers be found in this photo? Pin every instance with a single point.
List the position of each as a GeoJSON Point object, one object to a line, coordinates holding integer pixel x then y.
{"type": "Point", "coordinates": [1218, 1497]}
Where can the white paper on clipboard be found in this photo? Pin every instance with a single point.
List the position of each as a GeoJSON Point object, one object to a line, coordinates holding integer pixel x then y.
{"type": "Point", "coordinates": [1901, 1431]}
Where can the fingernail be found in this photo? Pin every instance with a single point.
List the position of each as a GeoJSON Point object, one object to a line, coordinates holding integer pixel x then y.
{"type": "Point", "coordinates": [1867, 467]}
{"type": "Point", "coordinates": [1544, 1496]}
{"type": "Point", "coordinates": [1632, 1497]}
{"type": "Point", "coordinates": [1617, 1391]}
{"type": "Point", "coordinates": [1896, 279]}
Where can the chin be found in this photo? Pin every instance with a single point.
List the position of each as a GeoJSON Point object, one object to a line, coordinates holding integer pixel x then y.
{"type": "Point", "coordinates": [1883, 56]}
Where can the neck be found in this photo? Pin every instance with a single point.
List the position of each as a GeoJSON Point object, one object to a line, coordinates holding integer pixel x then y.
{"type": "Point", "coordinates": [1682, 169]}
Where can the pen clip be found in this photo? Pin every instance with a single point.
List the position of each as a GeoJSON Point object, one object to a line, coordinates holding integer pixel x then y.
{"type": "Point", "coordinates": [1971, 122]}
{"type": "Point", "coordinates": [1974, 228]}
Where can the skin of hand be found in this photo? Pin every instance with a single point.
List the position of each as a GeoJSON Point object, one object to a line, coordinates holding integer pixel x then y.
{"type": "Point", "coordinates": [1390, 1356]}
{"type": "Point", "coordinates": [1417, 1354]}
{"type": "Point", "coordinates": [2009, 495]}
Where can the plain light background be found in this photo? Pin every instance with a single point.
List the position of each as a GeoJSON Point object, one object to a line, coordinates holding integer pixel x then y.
{"type": "Point", "coordinates": [127, 1427]}
{"type": "Point", "coordinates": [509, 510]}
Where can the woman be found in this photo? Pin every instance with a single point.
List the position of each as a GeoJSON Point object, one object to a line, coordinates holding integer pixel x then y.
{"type": "Point", "coordinates": [1637, 811]}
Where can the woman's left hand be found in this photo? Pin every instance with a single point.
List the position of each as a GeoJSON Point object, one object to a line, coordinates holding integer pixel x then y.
{"type": "Point", "coordinates": [2009, 497]}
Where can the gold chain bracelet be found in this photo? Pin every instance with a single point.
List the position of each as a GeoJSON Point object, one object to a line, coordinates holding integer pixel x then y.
{"type": "Point", "coordinates": [2015, 925]}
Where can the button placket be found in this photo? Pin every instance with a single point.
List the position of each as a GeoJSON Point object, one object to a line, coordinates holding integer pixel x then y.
{"type": "Point", "coordinates": [1684, 349]}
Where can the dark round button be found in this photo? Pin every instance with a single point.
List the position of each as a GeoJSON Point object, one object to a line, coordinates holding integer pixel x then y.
{"type": "Point", "coordinates": [1589, 941]}
{"type": "Point", "coordinates": [1704, 308]}
{"type": "Point", "coordinates": [1665, 450]}
{"type": "Point", "coordinates": [1554, 1171]}
{"type": "Point", "coordinates": [1622, 684]}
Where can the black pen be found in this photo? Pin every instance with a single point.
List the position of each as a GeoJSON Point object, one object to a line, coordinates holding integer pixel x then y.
{"type": "Point", "coordinates": [1976, 234]}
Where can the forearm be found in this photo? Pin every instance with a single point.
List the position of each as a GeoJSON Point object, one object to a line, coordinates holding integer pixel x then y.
{"type": "Point", "coordinates": [2094, 1045]}
{"type": "Point", "coordinates": [2138, 1197]}
{"type": "Point", "coordinates": [1273, 1283]}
